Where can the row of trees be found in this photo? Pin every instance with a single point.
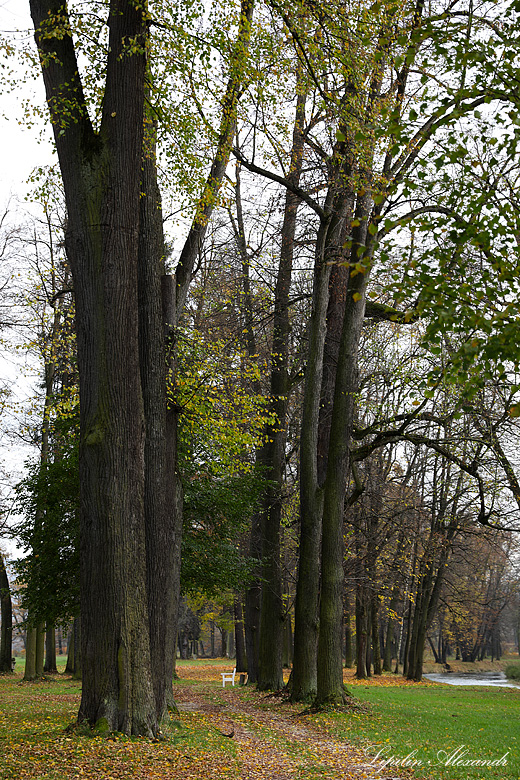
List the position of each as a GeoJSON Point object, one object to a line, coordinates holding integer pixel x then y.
{"type": "Point", "coordinates": [362, 252]}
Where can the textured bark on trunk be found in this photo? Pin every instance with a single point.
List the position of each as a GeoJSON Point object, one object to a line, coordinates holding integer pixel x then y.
{"type": "Point", "coordinates": [324, 330]}
{"type": "Point", "coordinates": [272, 617]}
{"type": "Point", "coordinates": [101, 177]}
{"type": "Point", "coordinates": [161, 511]}
{"type": "Point", "coordinates": [304, 676]}
{"type": "Point", "coordinates": [6, 615]}
{"type": "Point", "coordinates": [330, 673]}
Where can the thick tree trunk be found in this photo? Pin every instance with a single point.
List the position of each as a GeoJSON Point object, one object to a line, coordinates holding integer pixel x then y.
{"type": "Point", "coordinates": [270, 668]}
{"type": "Point", "coordinates": [330, 675]}
{"type": "Point", "coordinates": [6, 616]}
{"type": "Point", "coordinates": [101, 178]}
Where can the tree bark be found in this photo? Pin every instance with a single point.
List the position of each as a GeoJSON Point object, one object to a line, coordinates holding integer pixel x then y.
{"type": "Point", "coordinates": [6, 615]}
{"type": "Point", "coordinates": [304, 675]}
{"type": "Point", "coordinates": [162, 514]}
{"type": "Point", "coordinates": [30, 654]}
{"type": "Point", "coordinates": [330, 674]}
{"type": "Point", "coordinates": [348, 634]}
{"type": "Point", "coordinates": [240, 647]}
{"type": "Point", "coordinates": [50, 650]}
{"type": "Point", "coordinates": [272, 616]}
{"type": "Point", "coordinates": [40, 649]}
{"type": "Point", "coordinates": [101, 178]}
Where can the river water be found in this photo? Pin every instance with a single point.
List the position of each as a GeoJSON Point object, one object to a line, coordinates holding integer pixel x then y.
{"type": "Point", "coordinates": [496, 679]}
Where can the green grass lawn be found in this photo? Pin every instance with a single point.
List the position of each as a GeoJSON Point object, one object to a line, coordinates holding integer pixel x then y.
{"type": "Point", "coordinates": [61, 663]}
{"type": "Point", "coordinates": [432, 723]}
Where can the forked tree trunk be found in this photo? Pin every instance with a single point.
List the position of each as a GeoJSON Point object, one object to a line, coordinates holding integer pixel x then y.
{"type": "Point", "coordinates": [330, 673]}
{"type": "Point", "coordinates": [101, 177]}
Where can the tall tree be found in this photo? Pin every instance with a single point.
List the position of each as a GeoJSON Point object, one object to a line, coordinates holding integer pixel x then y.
{"type": "Point", "coordinates": [100, 170]}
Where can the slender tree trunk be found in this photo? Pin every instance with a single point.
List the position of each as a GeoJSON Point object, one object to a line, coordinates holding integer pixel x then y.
{"type": "Point", "coordinates": [271, 455]}
{"type": "Point", "coordinates": [361, 634]}
{"type": "Point", "coordinates": [240, 648]}
{"type": "Point", "coordinates": [304, 676]}
{"type": "Point", "coordinates": [162, 523]}
{"type": "Point", "coordinates": [30, 653]}
{"type": "Point", "coordinates": [374, 616]}
{"type": "Point", "coordinates": [77, 660]}
{"type": "Point", "coordinates": [434, 651]}
{"type": "Point", "coordinates": [6, 616]}
{"type": "Point", "coordinates": [40, 649]}
{"type": "Point", "coordinates": [287, 643]}
{"type": "Point", "coordinates": [349, 655]}
{"type": "Point", "coordinates": [69, 667]}
{"type": "Point", "coordinates": [389, 642]}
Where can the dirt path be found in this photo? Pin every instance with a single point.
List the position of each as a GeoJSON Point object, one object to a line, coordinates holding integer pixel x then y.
{"type": "Point", "coordinates": [274, 742]}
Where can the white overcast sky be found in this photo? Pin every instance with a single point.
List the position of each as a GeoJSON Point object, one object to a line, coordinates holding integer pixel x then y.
{"type": "Point", "coordinates": [20, 150]}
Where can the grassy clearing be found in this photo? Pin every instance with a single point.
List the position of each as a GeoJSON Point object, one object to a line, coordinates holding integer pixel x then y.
{"type": "Point", "coordinates": [34, 743]}
{"type": "Point", "coordinates": [239, 733]}
{"type": "Point", "coordinates": [435, 721]}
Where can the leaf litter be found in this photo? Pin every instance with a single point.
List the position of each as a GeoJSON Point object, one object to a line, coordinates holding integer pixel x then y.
{"type": "Point", "coordinates": [232, 732]}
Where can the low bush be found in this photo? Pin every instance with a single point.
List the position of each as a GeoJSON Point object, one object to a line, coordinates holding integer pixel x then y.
{"type": "Point", "coordinates": [512, 671]}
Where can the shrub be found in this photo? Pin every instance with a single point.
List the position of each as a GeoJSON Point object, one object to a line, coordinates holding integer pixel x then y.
{"type": "Point", "coordinates": [513, 671]}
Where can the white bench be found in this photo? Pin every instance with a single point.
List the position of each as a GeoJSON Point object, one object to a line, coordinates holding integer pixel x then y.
{"type": "Point", "coordinates": [228, 677]}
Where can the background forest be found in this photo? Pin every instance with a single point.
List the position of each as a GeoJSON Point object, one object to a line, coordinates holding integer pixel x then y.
{"type": "Point", "coordinates": [314, 331]}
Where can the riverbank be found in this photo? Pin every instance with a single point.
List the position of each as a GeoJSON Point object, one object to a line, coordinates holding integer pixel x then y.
{"type": "Point", "coordinates": [463, 667]}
